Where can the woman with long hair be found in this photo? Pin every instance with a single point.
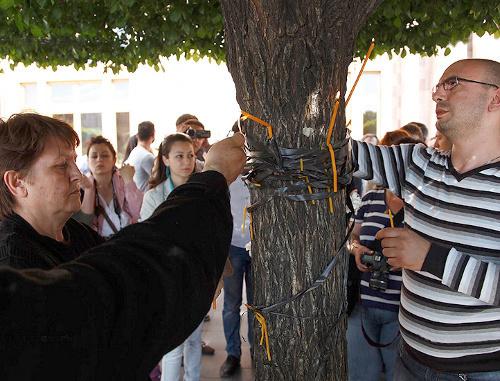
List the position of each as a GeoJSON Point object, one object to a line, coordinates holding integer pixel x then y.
{"type": "Point", "coordinates": [111, 199]}
{"type": "Point", "coordinates": [173, 166]}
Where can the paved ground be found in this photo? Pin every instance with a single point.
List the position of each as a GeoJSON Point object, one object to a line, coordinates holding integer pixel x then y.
{"type": "Point", "coordinates": [213, 335]}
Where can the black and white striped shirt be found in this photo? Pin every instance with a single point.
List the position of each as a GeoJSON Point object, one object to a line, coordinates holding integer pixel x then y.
{"type": "Point", "coordinates": [449, 313]}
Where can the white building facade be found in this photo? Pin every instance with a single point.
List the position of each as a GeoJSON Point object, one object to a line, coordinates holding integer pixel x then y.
{"type": "Point", "coordinates": [391, 92]}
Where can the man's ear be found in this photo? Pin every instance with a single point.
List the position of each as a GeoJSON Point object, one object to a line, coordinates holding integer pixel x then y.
{"type": "Point", "coordinates": [495, 102]}
{"type": "Point", "coordinates": [15, 184]}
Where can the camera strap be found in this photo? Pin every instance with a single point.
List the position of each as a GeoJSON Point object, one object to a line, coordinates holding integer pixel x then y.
{"type": "Point", "coordinates": [367, 338]}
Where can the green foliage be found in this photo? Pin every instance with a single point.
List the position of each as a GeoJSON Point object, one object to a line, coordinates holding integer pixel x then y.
{"type": "Point", "coordinates": [127, 33]}
{"type": "Point", "coordinates": [421, 27]}
{"type": "Point", "coordinates": [119, 33]}
{"type": "Point", "coordinates": [369, 122]}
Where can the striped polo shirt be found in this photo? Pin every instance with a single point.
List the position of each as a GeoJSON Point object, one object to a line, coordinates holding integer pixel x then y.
{"type": "Point", "coordinates": [449, 313]}
{"type": "Point", "coordinates": [373, 216]}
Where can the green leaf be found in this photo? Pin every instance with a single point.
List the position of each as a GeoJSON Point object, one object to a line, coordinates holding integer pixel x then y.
{"type": "Point", "coordinates": [201, 32]}
{"type": "Point", "coordinates": [36, 31]}
{"type": "Point", "coordinates": [6, 4]}
{"type": "Point", "coordinates": [397, 22]}
{"type": "Point", "coordinates": [176, 14]}
{"type": "Point", "coordinates": [57, 13]}
{"type": "Point", "coordinates": [41, 3]}
{"type": "Point", "coordinates": [447, 51]}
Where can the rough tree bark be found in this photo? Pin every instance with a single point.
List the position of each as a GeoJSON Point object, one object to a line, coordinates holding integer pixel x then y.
{"type": "Point", "coordinates": [288, 60]}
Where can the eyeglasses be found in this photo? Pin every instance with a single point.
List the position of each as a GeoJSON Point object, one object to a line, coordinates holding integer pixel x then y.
{"type": "Point", "coordinates": [450, 83]}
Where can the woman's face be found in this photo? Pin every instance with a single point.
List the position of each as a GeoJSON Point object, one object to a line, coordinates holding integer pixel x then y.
{"type": "Point", "coordinates": [53, 182]}
{"type": "Point", "coordinates": [101, 160]}
{"type": "Point", "coordinates": [181, 159]}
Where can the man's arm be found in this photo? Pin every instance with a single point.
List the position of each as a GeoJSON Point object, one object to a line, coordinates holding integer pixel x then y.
{"type": "Point", "coordinates": [459, 271]}
{"type": "Point", "coordinates": [382, 165]}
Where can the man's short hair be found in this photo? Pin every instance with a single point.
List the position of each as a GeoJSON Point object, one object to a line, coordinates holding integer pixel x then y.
{"type": "Point", "coordinates": [413, 129]}
{"type": "Point", "coordinates": [423, 127]}
{"type": "Point", "coordinates": [181, 119]}
{"type": "Point", "coordinates": [492, 71]}
{"type": "Point", "coordinates": [194, 122]}
{"type": "Point", "coordinates": [145, 131]}
{"type": "Point", "coordinates": [23, 138]}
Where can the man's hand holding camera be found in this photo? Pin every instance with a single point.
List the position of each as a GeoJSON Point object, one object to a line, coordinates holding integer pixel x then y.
{"type": "Point", "coordinates": [358, 250]}
{"type": "Point", "coordinates": [403, 248]}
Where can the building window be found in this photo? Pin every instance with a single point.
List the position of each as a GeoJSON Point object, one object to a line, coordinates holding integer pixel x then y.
{"type": "Point", "coordinates": [68, 118]}
{"type": "Point", "coordinates": [365, 105]}
{"type": "Point", "coordinates": [370, 101]}
{"type": "Point", "coordinates": [90, 92]}
{"type": "Point", "coordinates": [121, 91]}
{"type": "Point", "coordinates": [62, 92]}
{"type": "Point", "coordinates": [122, 133]}
{"type": "Point", "coordinates": [91, 125]}
{"type": "Point", "coordinates": [30, 94]}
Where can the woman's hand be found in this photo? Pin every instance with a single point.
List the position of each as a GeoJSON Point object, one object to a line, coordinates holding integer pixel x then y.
{"type": "Point", "coordinates": [127, 173]}
{"type": "Point", "coordinates": [86, 184]}
{"type": "Point", "coordinates": [358, 250]}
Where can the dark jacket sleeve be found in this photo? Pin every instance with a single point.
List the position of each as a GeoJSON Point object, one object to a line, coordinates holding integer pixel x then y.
{"type": "Point", "coordinates": [130, 300]}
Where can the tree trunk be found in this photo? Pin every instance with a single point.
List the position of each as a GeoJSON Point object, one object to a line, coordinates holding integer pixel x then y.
{"type": "Point", "coordinates": [288, 60]}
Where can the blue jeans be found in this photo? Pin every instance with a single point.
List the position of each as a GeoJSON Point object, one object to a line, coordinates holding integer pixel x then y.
{"type": "Point", "coordinates": [233, 289]}
{"type": "Point", "coordinates": [191, 349]}
{"type": "Point", "coordinates": [366, 363]}
{"type": "Point", "coordinates": [409, 369]}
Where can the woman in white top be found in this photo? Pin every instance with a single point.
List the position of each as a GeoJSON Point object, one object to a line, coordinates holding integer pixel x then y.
{"type": "Point", "coordinates": [173, 166]}
{"type": "Point", "coordinates": [111, 200]}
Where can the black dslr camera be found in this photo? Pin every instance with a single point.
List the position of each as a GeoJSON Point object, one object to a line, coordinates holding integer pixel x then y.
{"type": "Point", "coordinates": [198, 134]}
{"type": "Point", "coordinates": [379, 279]}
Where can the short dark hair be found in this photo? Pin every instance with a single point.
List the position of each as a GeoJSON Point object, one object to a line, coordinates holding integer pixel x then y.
{"type": "Point", "coordinates": [145, 130]}
{"type": "Point", "coordinates": [423, 127]}
{"type": "Point", "coordinates": [129, 146]}
{"type": "Point", "coordinates": [393, 137]}
{"type": "Point", "coordinates": [23, 138]}
{"type": "Point", "coordinates": [194, 122]}
{"type": "Point", "coordinates": [413, 129]}
{"type": "Point", "coordinates": [101, 140]}
{"type": "Point", "coordinates": [181, 119]}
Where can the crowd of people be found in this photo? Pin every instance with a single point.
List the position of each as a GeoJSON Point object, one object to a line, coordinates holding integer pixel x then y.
{"type": "Point", "coordinates": [101, 277]}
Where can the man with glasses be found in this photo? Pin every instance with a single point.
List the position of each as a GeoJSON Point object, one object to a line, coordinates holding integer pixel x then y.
{"type": "Point", "coordinates": [450, 248]}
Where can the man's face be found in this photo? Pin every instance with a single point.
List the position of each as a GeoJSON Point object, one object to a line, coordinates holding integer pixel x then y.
{"type": "Point", "coordinates": [53, 183]}
{"type": "Point", "coordinates": [460, 110]}
{"type": "Point", "coordinates": [441, 142]}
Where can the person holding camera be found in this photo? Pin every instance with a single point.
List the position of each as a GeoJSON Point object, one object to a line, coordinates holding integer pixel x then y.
{"type": "Point", "coordinates": [373, 328]}
{"type": "Point", "coordinates": [196, 131]}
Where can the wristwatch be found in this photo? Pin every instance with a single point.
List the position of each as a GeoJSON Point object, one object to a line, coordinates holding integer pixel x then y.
{"type": "Point", "coordinates": [353, 246]}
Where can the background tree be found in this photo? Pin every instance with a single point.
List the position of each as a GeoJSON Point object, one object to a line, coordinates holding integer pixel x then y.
{"type": "Point", "coordinates": [288, 59]}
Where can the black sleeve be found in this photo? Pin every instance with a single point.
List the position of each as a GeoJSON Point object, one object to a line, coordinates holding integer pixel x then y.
{"type": "Point", "coordinates": [141, 293]}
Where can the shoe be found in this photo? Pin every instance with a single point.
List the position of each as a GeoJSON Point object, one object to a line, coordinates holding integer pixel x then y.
{"type": "Point", "coordinates": [206, 318]}
{"type": "Point", "coordinates": [206, 349]}
{"type": "Point", "coordinates": [230, 366]}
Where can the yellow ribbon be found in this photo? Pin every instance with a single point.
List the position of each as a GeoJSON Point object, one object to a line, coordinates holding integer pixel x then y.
{"type": "Point", "coordinates": [307, 179]}
{"type": "Point", "coordinates": [390, 218]}
{"type": "Point", "coordinates": [251, 222]}
{"type": "Point", "coordinates": [334, 167]}
{"type": "Point", "coordinates": [263, 333]}
{"type": "Point", "coordinates": [255, 119]}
